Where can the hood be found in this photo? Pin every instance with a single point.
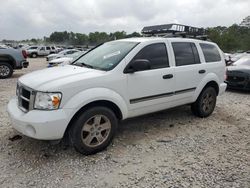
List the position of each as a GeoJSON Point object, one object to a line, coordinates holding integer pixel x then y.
{"type": "Point", "coordinates": [61, 60]}
{"type": "Point", "coordinates": [52, 55]}
{"type": "Point", "coordinates": [49, 77]}
{"type": "Point", "coordinates": [238, 68]}
{"type": "Point", "coordinates": [31, 50]}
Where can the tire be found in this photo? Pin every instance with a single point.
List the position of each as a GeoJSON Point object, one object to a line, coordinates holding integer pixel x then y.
{"type": "Point", "coordinates": [206, 102]}
{"type": "Point", "coordinates": [6, 70]}
{"type": "Point", "coordinates": [93, 130]}
{"type": "Point", "coordinates": [34, 55]}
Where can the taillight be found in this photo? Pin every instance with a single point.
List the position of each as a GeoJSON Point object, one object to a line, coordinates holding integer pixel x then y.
{"type": "Point", "coordinates": [225, 76]}
{"type": "Point", "coordinates": [24, 54]}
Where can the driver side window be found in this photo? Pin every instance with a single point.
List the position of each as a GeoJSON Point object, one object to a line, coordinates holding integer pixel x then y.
{"type": "Point", "coordinates": [156, 54]}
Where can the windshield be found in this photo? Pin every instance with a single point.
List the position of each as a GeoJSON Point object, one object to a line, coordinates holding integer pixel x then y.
{"type": "Point", "coordinates": [243, 61]}
{"type": "Point", "coordinates": [106, 56]}
{"type": "Point", "coordinates": [75, 55]}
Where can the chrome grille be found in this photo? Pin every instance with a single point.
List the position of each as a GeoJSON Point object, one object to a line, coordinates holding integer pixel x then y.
{"type": "Point", "coordinates": [25, 98]}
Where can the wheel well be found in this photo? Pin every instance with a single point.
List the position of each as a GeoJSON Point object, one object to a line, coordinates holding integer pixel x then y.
{"type": "Point", "coordinates": [214, 85]}
{"type": "Point", "coordinates": [7, 59]}
{"type": "Point", "coordinates": [103, 103]}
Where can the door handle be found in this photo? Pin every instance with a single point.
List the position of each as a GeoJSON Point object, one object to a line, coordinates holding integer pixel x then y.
{"type": "Point", "coordinates": [202, 71]}
{"type": "Point", "coordinates": [167, 76]}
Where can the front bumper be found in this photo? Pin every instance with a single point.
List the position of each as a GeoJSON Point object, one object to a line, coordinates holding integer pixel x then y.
{"type": "Point", "coordinates": [238, 85]}
{"type": "Point", "coordinates": [38, 124]}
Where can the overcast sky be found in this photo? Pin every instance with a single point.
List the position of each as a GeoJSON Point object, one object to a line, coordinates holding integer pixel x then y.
{"type": "Point", "coordinates": [22, 19]}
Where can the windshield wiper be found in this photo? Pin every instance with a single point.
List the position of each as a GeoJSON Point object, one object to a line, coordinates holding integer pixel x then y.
{"type": "Point", "coordinates": [82, 64]}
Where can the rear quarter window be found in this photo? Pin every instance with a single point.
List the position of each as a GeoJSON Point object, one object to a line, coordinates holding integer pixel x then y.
{"type": "Point", "coordinates": [210, 52]}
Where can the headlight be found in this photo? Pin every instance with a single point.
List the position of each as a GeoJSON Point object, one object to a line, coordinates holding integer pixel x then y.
{"type": "Point", "coordinates": [47, 101]}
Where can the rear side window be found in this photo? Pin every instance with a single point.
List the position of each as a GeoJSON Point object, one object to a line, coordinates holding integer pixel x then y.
{"type": "Point", "coordinates": [185, 53]}
{"type": "Point", "coordinates": [210, 52]}
{"type": "Point", "coordinates": [156, 54]}
{"type": "Point", "coordinates": [47, 48]}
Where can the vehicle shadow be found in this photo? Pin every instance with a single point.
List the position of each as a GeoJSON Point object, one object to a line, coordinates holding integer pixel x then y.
{"type": "Point", "coordinates": [16, 75]}
{"type": "Point", "coordinates": [165, 124]}
{"type": "Point", "coordinates": [238, 91]}
{"type": "Point", "coordinates": [142, 124]}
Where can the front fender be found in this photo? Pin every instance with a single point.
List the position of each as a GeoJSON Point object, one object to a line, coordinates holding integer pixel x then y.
{"type": "Point", "coordinates": [208, 78]}
{"type": "Point", "coordinates": [95, 94]}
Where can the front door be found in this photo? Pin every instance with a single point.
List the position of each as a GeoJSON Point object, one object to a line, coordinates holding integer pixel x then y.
{"type": "Point", "coordinates": [151, 88]}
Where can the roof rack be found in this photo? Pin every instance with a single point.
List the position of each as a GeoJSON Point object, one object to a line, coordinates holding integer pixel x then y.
{"type": "Point", "coordinates": [175, 30]}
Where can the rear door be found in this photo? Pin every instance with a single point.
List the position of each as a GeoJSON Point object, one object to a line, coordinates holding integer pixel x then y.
{"type": "Point", "coordinates": [188, 69]}
{"type": "Point", "coordinates": [151, 88]}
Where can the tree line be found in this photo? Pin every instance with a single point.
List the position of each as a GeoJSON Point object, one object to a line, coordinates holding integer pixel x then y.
{"type": "Point", "coordinates": [92, 38]}
{"type": "Point", "coordinates": [230, 39]}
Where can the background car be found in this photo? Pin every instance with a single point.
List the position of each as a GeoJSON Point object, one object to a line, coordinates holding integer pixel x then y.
{"type": "Point", "coordinates": [65, 59]}
{"type": "Point", "coordinates": [61, 54]}
{"type": "Point", "coordinates": [238, 75]}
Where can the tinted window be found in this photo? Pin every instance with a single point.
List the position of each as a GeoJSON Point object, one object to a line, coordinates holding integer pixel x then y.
{"type": "Point", "coordinates": [210, 52]}
{"type": "Point", "coordinates": [47, 48]}
{"type": "Point", "coordinates": [185, 53]}
{"type": "Point", "coordinates": [156, 54]}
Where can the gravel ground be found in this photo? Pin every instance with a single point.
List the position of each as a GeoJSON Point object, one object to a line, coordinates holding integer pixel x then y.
{"type": "Point", "coordinates": [171, 148]}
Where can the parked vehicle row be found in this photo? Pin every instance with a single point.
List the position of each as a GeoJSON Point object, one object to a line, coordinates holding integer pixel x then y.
{"type": "Point", "coordinates": [85, 100]}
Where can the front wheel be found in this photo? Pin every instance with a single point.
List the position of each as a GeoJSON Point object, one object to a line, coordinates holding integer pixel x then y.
{"type": "Point", "coordinates": [6, 70]}
{"type": "Point", "coordinates": [93, 130]}
{"type": "Point", "coordinates": [205, 104]}
{"type": "Point", "coordinates": [34, 55]}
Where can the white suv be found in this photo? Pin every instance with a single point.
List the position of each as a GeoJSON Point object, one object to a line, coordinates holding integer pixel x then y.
{"type": "Point", "coordinates": [115, 81]}
{"type": "Point", "coordinates": [36, 51]}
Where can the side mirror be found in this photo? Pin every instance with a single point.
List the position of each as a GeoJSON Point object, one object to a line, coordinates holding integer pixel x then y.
{"type": "Point", "coordinates": [137, 65]}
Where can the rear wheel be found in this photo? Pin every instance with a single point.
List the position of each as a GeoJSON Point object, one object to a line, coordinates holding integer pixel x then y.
{"type": "Point", "coordinates": [6, 70]}
{"type": "Point", "coordinates": [93, 130]}
{"type": "Point", "coordinates": [205, 104]}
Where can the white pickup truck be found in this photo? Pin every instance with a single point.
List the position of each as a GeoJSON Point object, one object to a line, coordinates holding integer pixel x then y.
{"type": "Point", "coordinates": [117, 80]}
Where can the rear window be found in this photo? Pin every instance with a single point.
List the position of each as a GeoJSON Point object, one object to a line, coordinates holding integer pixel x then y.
{"type": "Point", "coordinates": [210, 52]}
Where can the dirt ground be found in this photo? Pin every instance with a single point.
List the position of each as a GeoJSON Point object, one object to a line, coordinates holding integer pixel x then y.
{"type": "Point", "coordinates": [171, 148]}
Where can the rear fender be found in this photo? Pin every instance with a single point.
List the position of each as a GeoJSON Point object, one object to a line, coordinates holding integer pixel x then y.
{"type": "Point", "coordinates": [208, 78]}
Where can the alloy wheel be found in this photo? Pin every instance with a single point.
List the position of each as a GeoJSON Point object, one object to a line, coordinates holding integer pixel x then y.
{"type": "Point", "coordinates": [96, 130]}
{"type": "Point", "coordinates": [207, 102]}
{"type": "Point", "coordinates": [4, 70]}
